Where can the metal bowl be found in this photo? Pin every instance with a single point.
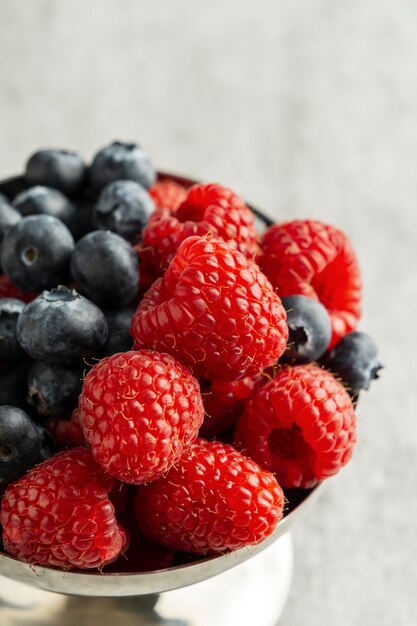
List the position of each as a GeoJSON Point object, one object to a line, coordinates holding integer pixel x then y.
{"type": "Point", "coordinates": [94, 583]}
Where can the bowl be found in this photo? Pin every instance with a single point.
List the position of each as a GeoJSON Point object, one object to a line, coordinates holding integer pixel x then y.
{"type": "Point", "coordinates": [96, 584]}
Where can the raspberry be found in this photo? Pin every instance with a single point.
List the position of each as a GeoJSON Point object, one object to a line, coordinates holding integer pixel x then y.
{"type": "Point", "coordinates": [8, 290]}
{"type": "Point", "coordinates": [139, 411]}
{"type": "Point", "coordinates": [168, 194]}
{"type": "Point", "coordinates": [59, 514]}
{"type": "Point", "coordinates": [301, 426]}
{"type": "Point", "coordinates": [142, 555]}
{"type": "Point", "coordinates": [67, 433]}
{"type": "Point", "coordinates": [213, 310]}
{"type": "Point", "coordinates": [213, 500]}
{"type": "Point", "coordinates": [207, 209]}
{"type": "Point", "coordinates": [224, 401]}
{"type": "Point", "coordinates": [307, 257]}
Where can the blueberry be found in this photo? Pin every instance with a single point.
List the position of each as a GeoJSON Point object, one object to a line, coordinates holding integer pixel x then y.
{"type": "Point", "coordinates": [36, 251]}
{"type": "Point", "coordinates": [355, 360]}
{"type": "Point", "coordinates": [54, 389]}
{"type": "Point", "coordinates": [83, 225]}
{"type": "Point", "coordinates": [8, 216]}
{"type": "Point", "coordinates": [123, 207]}
{"type": "Point", "coordinates": [105, 267]}
{"type": "Point", "coordinates": [41, 200]}
{"type": "Point", "coordinates": [62, 169]}
{"type": "Point", "coordinates": [48, 443]}
{"type": "Point", "coordinates": [61, 326]}
{"type": "Point", "coordinates": [13, 384]}
{"type": "Point", "coordinates": [119, 339]}
{"type": "Point", "coordinates": [121, 161]}
{"type": "Point", "coordinates": [20, 444]}
{"type": "Point", "coordinates": [309, 329]}
{"type": "Point", "coordinates": [10, 349]}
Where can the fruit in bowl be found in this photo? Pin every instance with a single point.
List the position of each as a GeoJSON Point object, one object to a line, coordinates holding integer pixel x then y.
{"type": "Point", "coordinates": [172, 377]}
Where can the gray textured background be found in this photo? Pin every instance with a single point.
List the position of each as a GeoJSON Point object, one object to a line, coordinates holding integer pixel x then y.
{"type": "Point", "coordinates": [309, 108]}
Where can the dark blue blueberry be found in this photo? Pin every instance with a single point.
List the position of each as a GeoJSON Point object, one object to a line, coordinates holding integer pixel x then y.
{"type": "Point", "coordinates": [121, 161]}
{"type": "Point", "coordinates": [36, 251]}
{"type": "Point", "coordinates": [61, 326]}
{"type": "Point", "coordinates": [13, 384]}
{"type": "Point", "coordinates": [123, 207]}
{"type": "Point", "coordinates": [54, 389]}
{"type": "Point", "coordinates": [83, 225]}
{"type": "Point", "coordinates": [309, 329]}
{"type": "Point", "coordinates": [48, 443]}
{"type": "Point", "coordinates": [41, 200]}
{"type": "Point", "coordinates": [119, 339]}
{"type": "Point", "coordinates": [8, 216]}
{"type": "Point", "coordinates": [62, 169]}
{"type": "Point", "coordinates": [355, 360]}
{"type": "Point", "coordinates": [10, 349]}
{"type": "Point", "coordinates": [105, 267]}
{"type": "Point", "coordinates": [20, 444]}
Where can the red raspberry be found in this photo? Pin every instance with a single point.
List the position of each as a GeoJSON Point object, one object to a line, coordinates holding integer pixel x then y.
{"type": "Point", "coordinates": [213, 500]}
{"type": "Point", "coordinates": [168, 194]}
{"type": "Point", "coordinates": [207, 209]}
{"type": "Point", "coordinates": [59, 514]}
{"type": "Point", "coordinates": [148, 273]}
{"type": "Point", "coordinates": [142, 555]}
{"type": "Point", "coordinates": [67, 433]}
{"type": "Point", "coordinates": [8, 290]}
{"type": "Point", "coordinates": [139, 412]}
{"type": "Point", "coordinates": [301, 426]}
{"type": "Point", "coordinates": [224, 401]}
{"type": "Point", "coordinates": [214, 310]}
{"type": "Point", "coordinates": [307, 257]}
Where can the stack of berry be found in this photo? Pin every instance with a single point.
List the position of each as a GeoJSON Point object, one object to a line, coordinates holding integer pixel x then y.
{"type": "Point", "coordinates": [165, 372]}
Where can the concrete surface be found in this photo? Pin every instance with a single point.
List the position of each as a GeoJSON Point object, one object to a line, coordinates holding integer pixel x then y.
{"type": "Point", "coordinates": [309, 108]}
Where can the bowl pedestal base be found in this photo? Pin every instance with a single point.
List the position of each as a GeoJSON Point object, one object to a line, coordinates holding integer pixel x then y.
{"type": "Point", "coordinates": [253, 593]}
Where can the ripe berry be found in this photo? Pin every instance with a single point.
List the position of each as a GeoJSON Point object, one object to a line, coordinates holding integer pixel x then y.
{"type": "Point", "coordinates": [123, 207]}
{"type": "Point", "coordinates": [59, 514]}
{"type": "Point", "coordinates": [224, 401]}
{"type": "Point", "coordinates": [48, 444]}
{"type": "Point", "coordinates": [20, 444]}
{"type": "Point", "coordinates": [10, 348]}
{"type": "Point", "coordinates": [67, 433]}
{"type": "Point", "coordinates": [13, 384]}
{"type": "Point", "coordinates": [207, 209]}
{"type": "Point", "coordinates": [36, 251]}
{"type": "Point", "coordinates": [8, 290]}
{"type": "Point", "coordinates": [355, 360]}
{"type": "Point", "coordinates": [168, 194]}
{"type": "Point", "coordinates": [118, 323]}
{"type": "Point", "coordinates": [213, 310]}
{"type": "Point", "coordinates": [53, 389]}
{"type": "Point", "coordinates": [121, 161]}
{"type": "Point", "coordinates": [307, 257]}
{"type": "Point", "coordinates": [8, 216]}
{"type": "Point", "coordinates": [60, 326]}
{"type": "Point", "coordinates": [62, 169]}
{"type": "Point", "coordinates": [309, 329]}
{"type": "Point", "coordinates": [105, 267]}
{"type": "Point", "coordinates": [139, 411]}
{"type": "Point", "coordinates": [214, 499]}
{"type": "Point", "coordinates": [41, 200]}
{"type": "Point", "coordinates": [301, 425]}
{"type": "Point", "coordinates": [142, 555]}
{"type": "Point", "coordinates": [83, 224]}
